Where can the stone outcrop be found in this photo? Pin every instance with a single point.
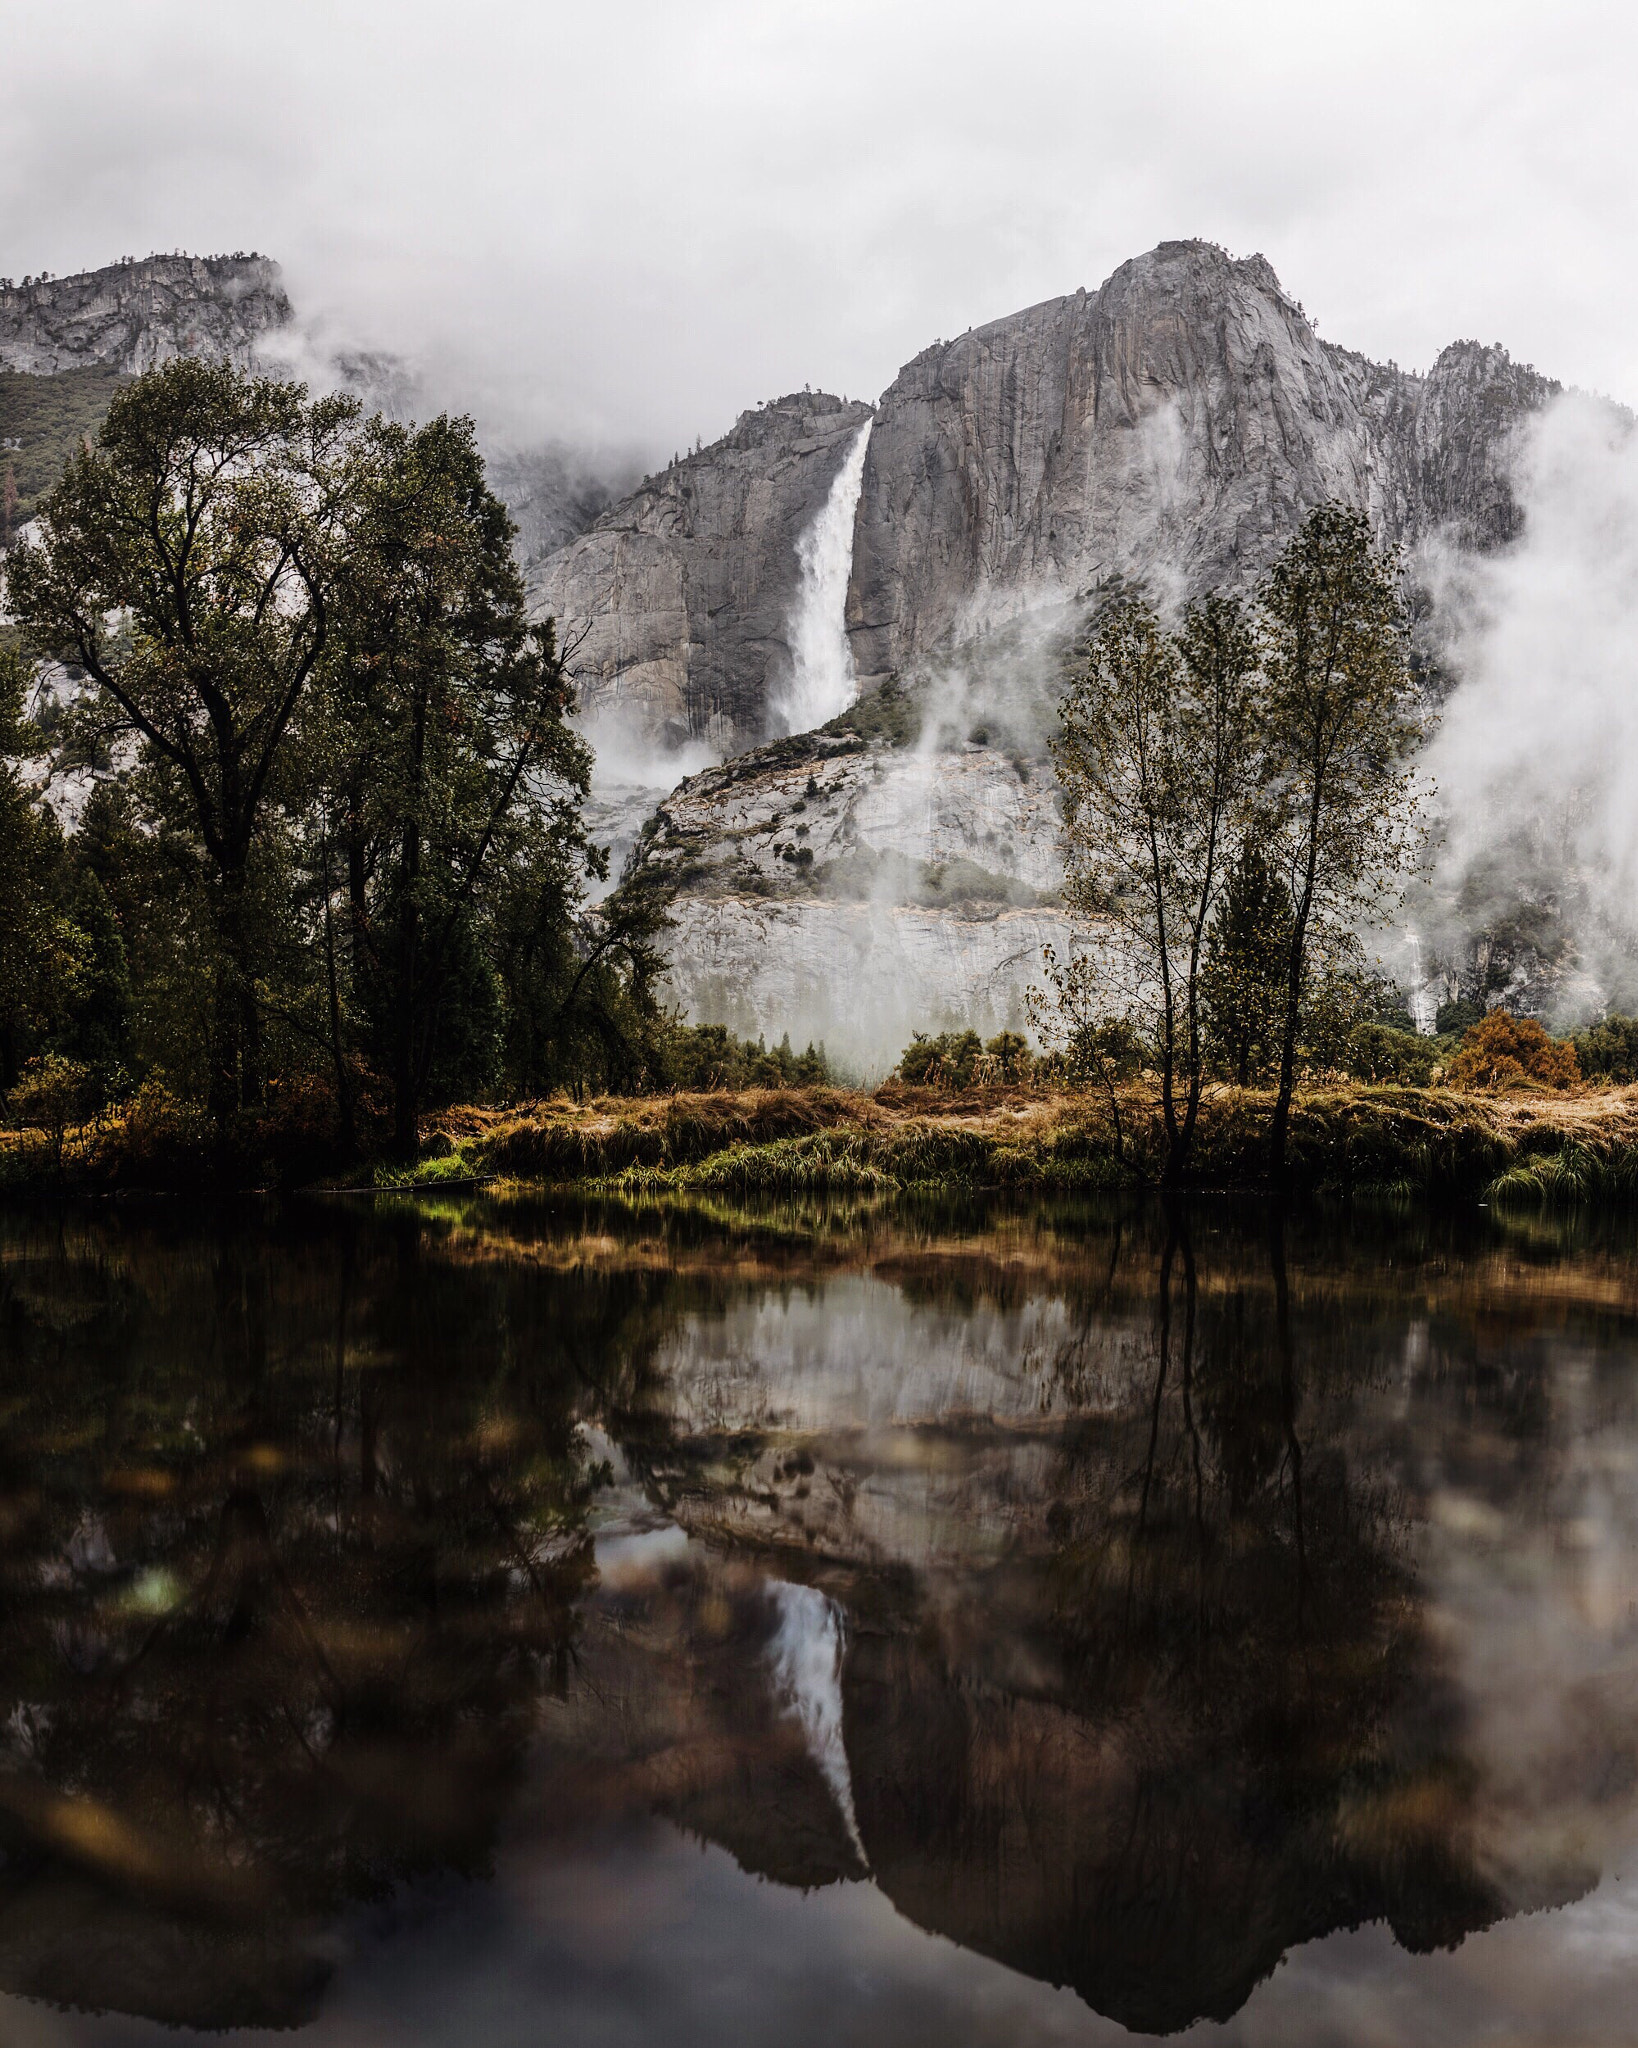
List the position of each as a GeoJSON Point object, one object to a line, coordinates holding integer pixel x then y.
{"type": "Point", "coordinates": [131, 316]}
{"type": "Point", "coordinates": [680, 597]}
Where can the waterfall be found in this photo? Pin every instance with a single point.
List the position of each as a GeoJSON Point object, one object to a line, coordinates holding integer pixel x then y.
{"type": "Point", "coordinates": [1424, 998]}
{"type": "Point", "coordinates": [806, 1660]}
{"type": "Point", "coordinates": [822, 680]}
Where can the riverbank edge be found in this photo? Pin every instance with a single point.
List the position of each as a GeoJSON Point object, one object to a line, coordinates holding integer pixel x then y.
{"type": "Point", "coordinates": [1347, 1140]}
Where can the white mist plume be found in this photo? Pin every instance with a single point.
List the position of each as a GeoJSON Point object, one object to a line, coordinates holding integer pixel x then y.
{"type": "Point", "coordinates": [1539, 741]}
{"type": "Point", "coordinates": [822, 679]}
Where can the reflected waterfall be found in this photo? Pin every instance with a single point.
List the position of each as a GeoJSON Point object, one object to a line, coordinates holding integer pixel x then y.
{"type": "Point", "coordinates": [805, 1657]}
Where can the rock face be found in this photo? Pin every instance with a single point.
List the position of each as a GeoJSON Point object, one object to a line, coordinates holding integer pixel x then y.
{"type": "Point", "coordinates": [553, 494]}
{"type": "Point", "coordinates": [1175, 426]}
{"type": "Point", "coordinates": [1172, 428]}
{"type": "Point", "coordinates": [852, 892]}
{"type": "Point", "coordinates": [684, 591]}
{"type": "Point", "coordinates": [134, 315]}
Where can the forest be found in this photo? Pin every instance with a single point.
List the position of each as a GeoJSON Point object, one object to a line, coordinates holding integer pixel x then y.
{"type": "Point", "coordinates": [291, 827]}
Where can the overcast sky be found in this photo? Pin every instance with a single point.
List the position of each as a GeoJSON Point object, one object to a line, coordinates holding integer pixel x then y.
{"type": "Point", "coordinates": [626, 220]}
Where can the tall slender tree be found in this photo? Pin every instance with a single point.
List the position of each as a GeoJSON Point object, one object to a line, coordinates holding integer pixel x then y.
{"type": "Point", "coordinates": [1157, 759]}
{"type": "Point", "coordinates": [450, 758]}
{"type": "Point", "coordinates": [1344, 723]}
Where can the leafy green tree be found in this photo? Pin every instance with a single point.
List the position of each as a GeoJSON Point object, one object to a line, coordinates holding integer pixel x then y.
{"type": "Point", "coordinates": [185, 564]}
{"type": "Point", "coordinates": [41, 950]}
{"type": "Point", "coordinates": [1158, 762]}
{"type": "Point", "coordinates": [581, 985]}
{"type": "Point", "coordinates": [946, 1060]}
{"type": "Point", "coordinates": [1344, 721]}
{"type": "Point", "coordinates": [1379, 1052]}
{"type": "Point", "coordinates": [1243, 972]}
{"type": "Point", "coordinates": [451, 759]}
{"type": "Point", "coordinates": [53, 1095]}
{"type": "Point", "coordinates": [1609, 1051]}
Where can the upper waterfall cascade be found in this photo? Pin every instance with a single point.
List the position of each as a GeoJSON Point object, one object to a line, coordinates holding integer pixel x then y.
{"type": "Point", "coordinates": [822, 679]}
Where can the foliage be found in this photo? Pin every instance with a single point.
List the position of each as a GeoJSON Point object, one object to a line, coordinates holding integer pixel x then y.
{"type": "Point", "coordinates": [891, 712]}
{"type": "Point", "coordinates": [1343, 723]}
{"type": "Point", "coordinates": [49, 416]}
{"type": "Point", "coordinates": [1453, 1018]}
{"type": "Point", "coordinates": [1380, 1053]}
{"type": "Point", "coordinates": [946, 1060]}
{"type": "Point", "coordinates": [961, 1059]}
{"type": "Point", "coordinates": [1097, 1048]}
{"type": "Point", "coordinates": [51, 1095]}
{"type": "Point", "coordinates": [1157, 763]}
{"type": "Point", "coordinates": [708, 1057]}
{"type": "Point", "coordinates": [330, 846]}
{"type": "Point", "coordinates": [1609, 1051]}
{"type": "Point", "coordinates": [447, 756]}
{"type": "Point", "coordinates": [1502, 1052]}
{"type": "Point", "coordinates": [1243, 976]}
{"type": "Point", "coordinates": [184, 564]}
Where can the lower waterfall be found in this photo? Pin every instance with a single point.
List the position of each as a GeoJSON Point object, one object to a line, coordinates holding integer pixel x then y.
{"type": "Point", "coordinates": [822, 680]}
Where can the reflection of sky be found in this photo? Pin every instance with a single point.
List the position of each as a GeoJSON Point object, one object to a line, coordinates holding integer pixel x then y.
{"type": "Point", "coordinates": [654, 1942]}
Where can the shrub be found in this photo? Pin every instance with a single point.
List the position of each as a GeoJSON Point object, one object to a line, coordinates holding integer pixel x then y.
{"type": "Point", "coordinates": [1502, 1051]}
{"type": "Point", "coordinates": [51, 1095]}
{"type": "Point", "coordinates": [1381, 1053]}
{"type": "Point", "coordinates": [1609, 1051]}
{"type": "Point", "coordinates": [945, 1061]}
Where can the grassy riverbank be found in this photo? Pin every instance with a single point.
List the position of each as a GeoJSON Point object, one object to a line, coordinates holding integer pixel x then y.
{"type": "Point", "coordinates": [1346, 1140]}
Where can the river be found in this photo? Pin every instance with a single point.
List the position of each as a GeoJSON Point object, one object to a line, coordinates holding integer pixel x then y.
{"type": "Point", "coordinates": [487, 1619]}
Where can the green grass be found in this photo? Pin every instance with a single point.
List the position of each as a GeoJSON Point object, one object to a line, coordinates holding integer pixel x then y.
{"type": "Point", "coordinates": [427, 1173]}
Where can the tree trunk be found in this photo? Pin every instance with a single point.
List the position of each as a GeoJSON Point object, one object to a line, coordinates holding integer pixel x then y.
{"type": "Point", "coordinates": [227, 1014]}
{"type": "Point", "coordinates": [348, 1131]}
{"type": "Point", "coordinates": [406, 1123]}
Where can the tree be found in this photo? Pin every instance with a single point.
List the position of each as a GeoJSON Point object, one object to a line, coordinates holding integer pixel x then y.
{"type": "Point", "coordinates": [1503, 1051]}
{"type": "Point", "coordinates": [1098, 1049]}
{"type": "Point", "coordinates": [1608, 1051]}
{"type": "Point", "coordinates": [185, 564]}
{"type": "Point", "coordinates": [1343, 723]}
{"type": "Point", "coordinates": [40, 948]}
{"type": "Point", "coordinates": [1157, 761]}
{"type": "Point", "coordinates": [450, 759]}
{"type": "Point", "coordinates": [1243, 972]}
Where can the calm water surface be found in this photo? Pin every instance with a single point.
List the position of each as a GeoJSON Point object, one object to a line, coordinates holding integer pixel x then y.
{"type": "Point", "coordinates": [494, 1622]}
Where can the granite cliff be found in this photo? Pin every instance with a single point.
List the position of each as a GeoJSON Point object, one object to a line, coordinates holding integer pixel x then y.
{"type": "Point", "coordinates": [936, 552]}
{"type": "Point", "coordinates": [680, 597]}
{"type": "Point", "coordinates": [1171, 429]}
{"type": "Point", "coordinates": [132, 315]}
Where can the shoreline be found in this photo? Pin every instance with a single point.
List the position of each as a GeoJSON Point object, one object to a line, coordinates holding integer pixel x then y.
{"type": "Point", "coordinates": [1348, 1140]}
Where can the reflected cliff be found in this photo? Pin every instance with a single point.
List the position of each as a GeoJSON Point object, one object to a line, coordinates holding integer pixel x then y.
{"type": "Point", "coordinates": [1129, 1596]}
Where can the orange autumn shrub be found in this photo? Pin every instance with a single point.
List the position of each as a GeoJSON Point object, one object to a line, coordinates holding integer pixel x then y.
{"type": "Point", "coordinates": [1503, 1051]}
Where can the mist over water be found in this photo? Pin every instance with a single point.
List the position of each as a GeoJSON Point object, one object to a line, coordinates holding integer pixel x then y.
{"type": "Point", "coordinates": [822, 678]}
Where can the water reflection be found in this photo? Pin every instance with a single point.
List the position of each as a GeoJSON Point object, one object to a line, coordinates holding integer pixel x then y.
{"type": "Point", "coordinates": [1129, 1598]}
